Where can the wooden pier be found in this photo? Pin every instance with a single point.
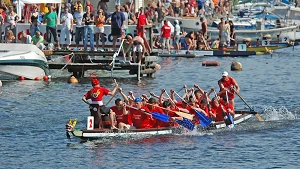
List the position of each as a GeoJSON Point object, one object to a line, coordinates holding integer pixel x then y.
{"type": "Point", "coordinates": [77, 65]}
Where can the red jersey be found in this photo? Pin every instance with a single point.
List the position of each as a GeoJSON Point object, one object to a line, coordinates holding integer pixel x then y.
{"type": "Point", "coordinates": [142, 20]}
{"type": "Point", "coordinates": [140, 119]}
{"type": "Point", "coordinates": [96, 93]}
{"type": "Point", "coordinates": [120, 117]}
{"type": "Point", "coordinates": [219, 111]}
{"type": "Point", "coordinates": [227, 84]}
{"type": "Point", "coordinates": [205, 108]}
{"type": "Point", "coordinates": [166, 31]}
{"type": "Point", "coordinates": [155, 122]}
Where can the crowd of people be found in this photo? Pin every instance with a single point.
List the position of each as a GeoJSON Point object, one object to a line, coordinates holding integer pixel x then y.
{"type": "Point", "coordinates": [130, 112]}
{"type": "Point", "coordinates": [74, 19]}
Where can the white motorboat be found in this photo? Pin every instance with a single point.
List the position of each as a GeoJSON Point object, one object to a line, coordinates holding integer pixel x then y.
{"type": "Point", "coordinates": [22, 60]}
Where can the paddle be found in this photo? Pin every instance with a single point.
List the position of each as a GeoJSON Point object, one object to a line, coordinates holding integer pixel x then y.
{"type": "Point", "coordinates": [209, 109]}
{"type": "Point", "coordinates": [259, 118]}
{"type": "Point", "coordinates": [182, 114]}
{"type": "Point", "coordinates": [112, 95]}
{"type": "Point", "coordinates": [161, 117]}
{"type": "Point", "coordinates": [204, 121]}
{"type": "Point", "coordinates": [229, 115]}
{"type": "Point", "coordinates": [186, 123]}
{"type": "Point", "coordinates": [227, 120]}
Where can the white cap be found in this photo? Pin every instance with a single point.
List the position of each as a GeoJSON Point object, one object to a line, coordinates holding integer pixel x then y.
{"type": "Point", "coordinates": [225, 74]}
{"type": "Point", "coordinates": [176, 21]}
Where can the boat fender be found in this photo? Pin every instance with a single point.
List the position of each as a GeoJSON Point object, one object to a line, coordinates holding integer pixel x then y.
{"type": "Point", "coordinates": [236, 66]}
{"type": "Point", "coordinates": [36, 78]}
{"type": "Point", "coordinates": [73, 80]}
{"type": "Point", "coordinates": [45, 78]}
{"type": "Point", "coordinates": [21, 78]}
{"type": "Point", "coordinates": [210, 63]}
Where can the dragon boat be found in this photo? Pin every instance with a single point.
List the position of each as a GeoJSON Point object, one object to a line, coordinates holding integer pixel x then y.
{"type": "Point", "coordinates": [240, 117]}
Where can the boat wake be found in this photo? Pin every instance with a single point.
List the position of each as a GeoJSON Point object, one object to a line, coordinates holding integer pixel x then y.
{"type": "Point", "coordinates": [278, 114]}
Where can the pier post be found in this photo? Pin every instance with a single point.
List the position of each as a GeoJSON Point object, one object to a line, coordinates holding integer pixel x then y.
{"type": "Point", "coordinates": [139, 72]}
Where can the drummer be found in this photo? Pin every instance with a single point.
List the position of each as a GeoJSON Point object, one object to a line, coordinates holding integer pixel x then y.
{"type": "Point", "coordinates": [96, 106]}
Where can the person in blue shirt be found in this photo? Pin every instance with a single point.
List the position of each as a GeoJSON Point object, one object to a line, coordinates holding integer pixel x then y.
{"type": "Point", "coordinates": [117, 25]}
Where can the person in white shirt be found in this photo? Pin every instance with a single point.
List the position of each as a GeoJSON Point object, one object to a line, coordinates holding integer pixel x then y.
{"type": "Point", "coordinates": [26, 39]}
{"type": "Point", "coordinates": [126, 17]}
{"type": "Point", "coordinates": [1, 23]}
{"type": "Point", "coordinates": [67, 28]}
{"type": "Point", "coordinates": [79, 32]}
{"type": "Point", "coordinates": [177, 36]}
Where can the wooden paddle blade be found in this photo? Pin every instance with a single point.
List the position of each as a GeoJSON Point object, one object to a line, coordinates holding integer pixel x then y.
{"type": "Point", "coordinates": [185, 115]}
{"type": "Point", "coordinates": [259, 118]}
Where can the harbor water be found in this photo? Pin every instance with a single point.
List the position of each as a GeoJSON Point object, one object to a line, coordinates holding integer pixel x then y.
{"type": "Point", "coordinates": [33, 115]}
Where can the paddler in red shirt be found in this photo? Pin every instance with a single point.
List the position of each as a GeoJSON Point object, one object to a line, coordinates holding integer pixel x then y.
{"type": "Point", "coordinates": [218, 109]}
{"type": "Point", "coordinates": [228, 84]}
{"type": "Point", "coordinates": [117, 113]}
{"type": "Point", "coordinates": [96, 94]}
{"type": "Point", "coordinates": [166, 35]}
{"type": "Point", "coordinates": [141, 118]}
{"type": "Point", "coordinates": [154, 107]}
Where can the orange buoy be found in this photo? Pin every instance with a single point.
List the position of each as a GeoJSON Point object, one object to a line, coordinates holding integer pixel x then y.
{"type": "Point", "coordinates": [36, 78]}
{"type": "Point", "coordinates": [21, 78]}
{"type": "Point", "coordinates": [73, 80]}
{"type": "Point", "coordinates": [210, 63]}
{"type": "Point", "coordinates": [45, 78]}
{"type": "Point", "coordinates": [157, 66]}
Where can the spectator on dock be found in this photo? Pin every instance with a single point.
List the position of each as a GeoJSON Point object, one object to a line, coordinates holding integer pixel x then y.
{"type": "Point", "coordinates": [79, 32]}
{"type": "Point", "coordinates": [67, 28]}
{"type": "Point", "coordinates": [138, 47]}
{"type": "Point", "coordinates": [26, 39]}
{"type": "Point", "coordinates": [166, 35]}
{"type": "Point", "coordinates": [100, 20]}
{"type": "Point", "coordinates": [156, 43]}
{"type": "Point", "coordinates": [88, 20]}
{"type": "Point", "coordinates": [176, 7]}
{"type": "Point", "coordinates": [50, 19]}
{"type": "Point", "coordinates": [88, 4]}
{"type": "Point", "coordinates": [77, 5]}
{"type": "Point", "coordinates": [37, 40]}
{"type": "Point", "coordinates": [34, 20]}
{"type": "Point", "coordinates": [10, 20]}
{"type": "Point", "coordinates": [126, 20]}
{"type": "Point", "coordinates": [220, 27]}
{"type": "Point", "coordinates": [117, 25]}
{"type": "Point", "coordinates": [10, 37]}
{"type": "Point", "coordinates": [176, 36]}
{"type": "Point", "coordinates": [141, 22]}
{"type": "Point", "coordinates": [1, 23]}
{"type": "Point", "coordinates": [102, 5]}
{"type": "Point", "coordinates": [204, 28]}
